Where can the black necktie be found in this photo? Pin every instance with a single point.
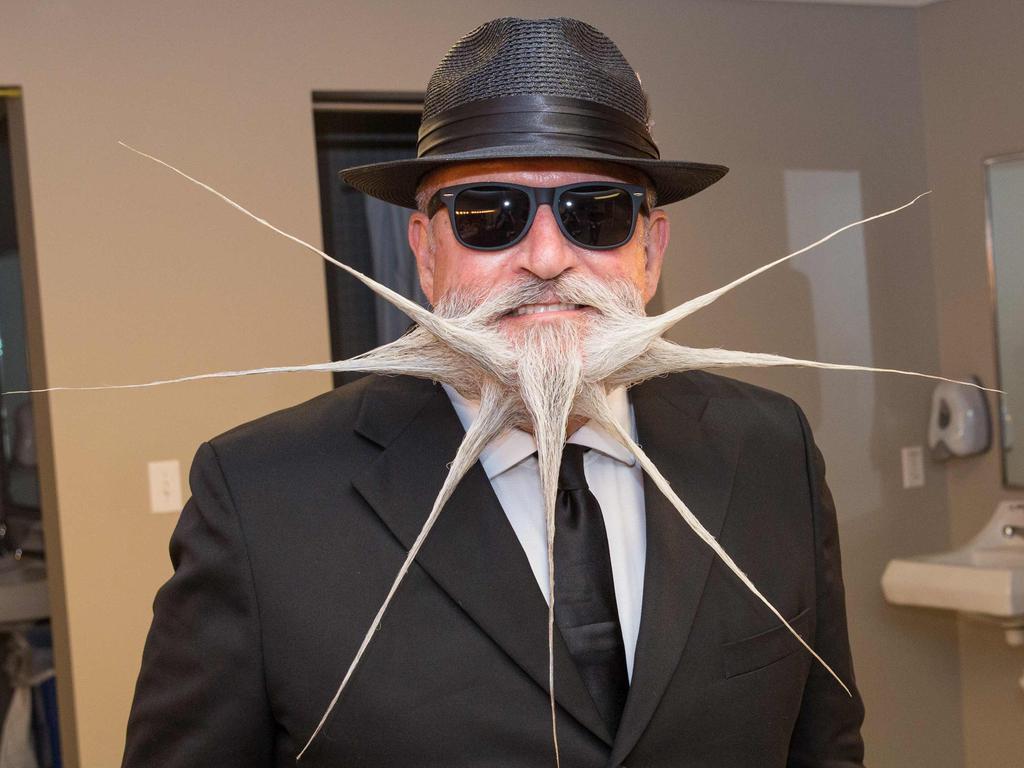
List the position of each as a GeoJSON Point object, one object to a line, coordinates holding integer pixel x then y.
{"type": "Point", "coordinates": [585, 608]}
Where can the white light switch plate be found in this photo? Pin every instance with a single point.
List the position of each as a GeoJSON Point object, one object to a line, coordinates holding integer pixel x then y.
{"type": "Point", "coordinates": [165, 486]}
{"type": "Point", "coordinates": [913, 466]}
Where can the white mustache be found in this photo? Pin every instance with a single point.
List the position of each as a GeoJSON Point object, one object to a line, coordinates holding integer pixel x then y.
{"type": "Point", "coordinates": [614, 297]}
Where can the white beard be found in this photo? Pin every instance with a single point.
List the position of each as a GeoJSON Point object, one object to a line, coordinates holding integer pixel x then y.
{"type": "Point", "coordinates": [537, 378]}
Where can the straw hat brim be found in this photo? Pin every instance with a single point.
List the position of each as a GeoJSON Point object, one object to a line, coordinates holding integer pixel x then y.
{"type": "Point", "coordinates": [396, 181]}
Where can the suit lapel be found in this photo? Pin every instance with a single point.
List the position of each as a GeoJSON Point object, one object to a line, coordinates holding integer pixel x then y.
{"type": "Point", "coordinates": [674, 426]}
{"type": "Point", "coordinates": [417, 427]}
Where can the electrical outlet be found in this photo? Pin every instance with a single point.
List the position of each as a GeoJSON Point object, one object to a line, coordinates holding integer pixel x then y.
{"type": "Point", "coordinates": [913, 466]}
{"type": "Point", "coordinates": [165, 486]}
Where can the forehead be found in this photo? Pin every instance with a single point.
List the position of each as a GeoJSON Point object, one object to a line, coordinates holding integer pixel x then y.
{"type": "Point", "coordinates": [547, 172]}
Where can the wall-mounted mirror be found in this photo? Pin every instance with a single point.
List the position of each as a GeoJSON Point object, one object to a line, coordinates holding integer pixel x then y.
{"type": "Point", "coordinates": [1004, 178]}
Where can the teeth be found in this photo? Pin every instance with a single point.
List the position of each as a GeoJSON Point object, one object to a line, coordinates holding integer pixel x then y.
{"type": "Point", "coordinates": [534, 309]}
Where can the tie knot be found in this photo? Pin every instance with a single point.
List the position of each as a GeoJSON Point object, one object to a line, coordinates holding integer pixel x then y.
{"type": "Point", "coordinates": [570, 474]}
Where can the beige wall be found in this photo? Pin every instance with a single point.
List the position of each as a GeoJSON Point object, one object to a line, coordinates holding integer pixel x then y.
{"type": "Point", "coordinates": [141, 276]}
{"type": "Point", "coordinates": [972, 63]}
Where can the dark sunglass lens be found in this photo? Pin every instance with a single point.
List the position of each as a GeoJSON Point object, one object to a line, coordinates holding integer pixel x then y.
{"type": "Point", "coordinates": [491, 216]}
{"type": "Point", "coordinates": [597, 216]}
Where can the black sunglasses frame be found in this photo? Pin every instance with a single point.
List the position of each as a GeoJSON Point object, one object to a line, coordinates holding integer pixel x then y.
{"type": "Point", "coordinates": [447, 196]}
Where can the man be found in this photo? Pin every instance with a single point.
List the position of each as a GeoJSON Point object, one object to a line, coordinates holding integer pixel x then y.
{"type": "Point", "coordinates": [535, 163]}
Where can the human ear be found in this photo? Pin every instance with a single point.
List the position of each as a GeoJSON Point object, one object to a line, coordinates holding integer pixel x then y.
{"type": "Point", "coordinates": [422, 248]}
{"type": "Point", "coordinates": [657, 243]}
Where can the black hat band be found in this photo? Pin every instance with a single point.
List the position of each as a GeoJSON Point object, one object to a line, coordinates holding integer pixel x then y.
{"type": "Point", "coordinates": [550, 121]}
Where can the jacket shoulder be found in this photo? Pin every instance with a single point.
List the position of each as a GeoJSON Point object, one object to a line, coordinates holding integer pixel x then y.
{"type": "Point", "coordinates": [724, 387]}
{"type": "Point", "coordinates": [327, 423]}
{"type": "Point", "coordinates": [739, 398]}
{"type": "Point", "coordinates": [755, 415]}
{"type": "Point", "coordinates": [297, 422]}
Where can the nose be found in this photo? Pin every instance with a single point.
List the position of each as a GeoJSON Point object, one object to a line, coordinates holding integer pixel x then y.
{"type": "Point", "coordinates": [545, 252]}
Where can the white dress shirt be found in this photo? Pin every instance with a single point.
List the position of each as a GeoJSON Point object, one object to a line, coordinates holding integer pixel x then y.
{"type": "Point", "coordinates": [616, 480]}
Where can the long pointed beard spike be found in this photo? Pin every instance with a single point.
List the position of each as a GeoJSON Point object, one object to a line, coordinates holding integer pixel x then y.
{"type": "Point", "coordinates": [494, 418]}
{"type": "Point", "coordinates": [663, 357]}
{"type": "Point", "coordinates": [691, 520]}
{"type": "Point", "coordinates": [687, 308]}
{"type": "Point", "coordinates": [550, 374]}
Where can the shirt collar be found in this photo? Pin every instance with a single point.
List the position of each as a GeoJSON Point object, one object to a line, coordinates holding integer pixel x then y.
{"type": "Point", "coordinates": [514, 446]}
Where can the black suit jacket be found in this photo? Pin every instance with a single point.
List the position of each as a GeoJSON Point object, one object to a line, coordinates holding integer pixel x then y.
{"type": "Point", "coordinates": [299, 521]}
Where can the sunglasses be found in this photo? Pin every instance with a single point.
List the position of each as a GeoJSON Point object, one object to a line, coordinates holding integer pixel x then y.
{"type": "Point", "coordinates": [490, 216]}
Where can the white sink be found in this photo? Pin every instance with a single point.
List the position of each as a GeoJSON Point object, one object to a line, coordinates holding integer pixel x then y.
{"type": "Point", "coordinates": [999, 557]}
{"type": "Point", "coordinates": [23, 595]}
{"type": "Point", "coordinates": [986, 576]}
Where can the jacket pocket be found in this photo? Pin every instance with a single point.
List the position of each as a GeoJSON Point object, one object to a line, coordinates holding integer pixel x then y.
{"type": "Point", "coordinates": [764, 648]}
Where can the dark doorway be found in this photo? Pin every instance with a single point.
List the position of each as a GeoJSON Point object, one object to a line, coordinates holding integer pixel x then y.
{"type": "Point", "coordinates": [28, 693]}
{"type": "Point", "coordinates": [367, 234]}
{"type": "Point", "coordinates": [19, 487]}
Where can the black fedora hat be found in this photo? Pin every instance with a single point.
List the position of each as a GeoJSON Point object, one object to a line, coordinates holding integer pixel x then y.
{"type": "Point", "coordinates": [525, 88]}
